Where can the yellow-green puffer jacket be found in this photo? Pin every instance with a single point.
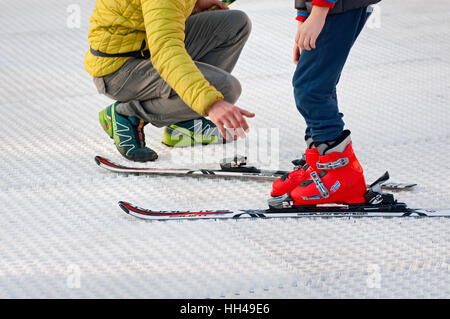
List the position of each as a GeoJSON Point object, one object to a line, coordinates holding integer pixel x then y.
{"type": "Point", "coordinates": [120, 26]}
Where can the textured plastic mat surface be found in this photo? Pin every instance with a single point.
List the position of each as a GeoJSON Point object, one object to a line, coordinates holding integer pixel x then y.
{"type": "Point", "coordinates": [63, 235]}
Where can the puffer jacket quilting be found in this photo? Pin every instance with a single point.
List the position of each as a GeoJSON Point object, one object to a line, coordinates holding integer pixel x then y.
{"type": "Point", "coordinates": [121, 26]}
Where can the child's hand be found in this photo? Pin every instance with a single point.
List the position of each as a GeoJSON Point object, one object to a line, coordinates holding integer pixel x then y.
{"type": "Point", "coordinates": [297, 53]}
{"type": "Point", "coordinates": [297, 50]}
{"type": "Point", "coordinates": [308, 31]}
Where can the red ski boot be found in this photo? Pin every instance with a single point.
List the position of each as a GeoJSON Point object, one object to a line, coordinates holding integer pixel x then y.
{"type": "Point", "coordinates": [336, 177]}
{"type": "Point", "coordinates": [288, 182]}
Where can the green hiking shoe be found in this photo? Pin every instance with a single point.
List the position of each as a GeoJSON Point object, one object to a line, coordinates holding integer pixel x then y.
{"type": "Point", "coordinates": [127, 133]}
{"type": "Point", "coordinates": [189, 133]}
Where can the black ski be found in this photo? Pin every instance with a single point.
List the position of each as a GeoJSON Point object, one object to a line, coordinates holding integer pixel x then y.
{"type": "Point", "coordinates": [231, 168]}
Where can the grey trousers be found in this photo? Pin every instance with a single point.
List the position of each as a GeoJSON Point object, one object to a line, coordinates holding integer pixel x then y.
{"type": "Point", "coordinates": [214, 40]}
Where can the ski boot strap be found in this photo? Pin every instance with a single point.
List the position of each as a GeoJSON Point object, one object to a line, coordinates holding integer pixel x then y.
{"type": "Point", "coordinates": [319, 184]}
{"type": "Point", "coordinates": [324, 192]}
{"type": "Point", "coordinates": [333, 165]}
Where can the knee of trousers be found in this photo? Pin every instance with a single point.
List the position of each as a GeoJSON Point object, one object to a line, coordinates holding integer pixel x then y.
{"type": "Point", "coordinates": [241, 21]}
{"type": "Point", "coordinates": [307, 99]}
{"type": "Point", "coordinates": [302, 98]}
{"type": "Point", "coordinates": [232, 89]}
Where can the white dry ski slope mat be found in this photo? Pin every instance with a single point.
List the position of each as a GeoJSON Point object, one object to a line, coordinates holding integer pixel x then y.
{"type": "Point", "coordinates": [63, 234]}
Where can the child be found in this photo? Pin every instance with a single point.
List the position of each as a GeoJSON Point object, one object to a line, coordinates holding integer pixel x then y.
{"type": "Point", "coordinates": [330, 172]}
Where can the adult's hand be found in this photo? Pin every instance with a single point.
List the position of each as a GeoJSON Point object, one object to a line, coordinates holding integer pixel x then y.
{"type": "Point", "coordinates": [225, 114]}
{"type": "Point", "coordinates": [204, 5]}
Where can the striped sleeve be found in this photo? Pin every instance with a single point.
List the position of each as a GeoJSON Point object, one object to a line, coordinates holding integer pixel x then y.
{"type": "Point", "coordinates": [324, 3]}
{"type": "Point", "coordinates": [302, 10]}
{"type": "Point", "coordinates": [302, 15]}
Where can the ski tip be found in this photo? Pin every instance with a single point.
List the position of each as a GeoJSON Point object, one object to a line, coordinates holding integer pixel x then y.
{"type": "Point", "coordinates": [97, 160]}
{"type": "Point", "coordinates": [124, 206]}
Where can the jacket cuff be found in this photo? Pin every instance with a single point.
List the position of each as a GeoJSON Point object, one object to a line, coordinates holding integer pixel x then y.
{"type": "Point", "coordinates": [301, 16]}
{"type": "Point", "coordinates": [324, 3]}
{"type": "Point", "coordinates": [206, 101]}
